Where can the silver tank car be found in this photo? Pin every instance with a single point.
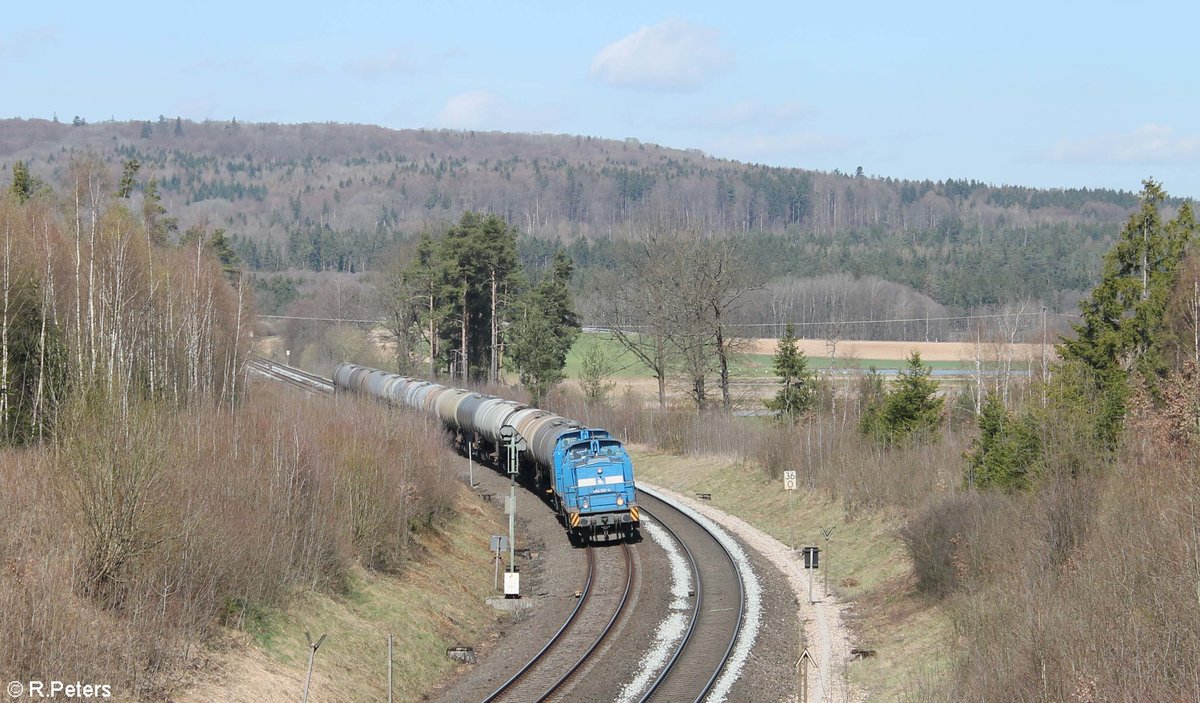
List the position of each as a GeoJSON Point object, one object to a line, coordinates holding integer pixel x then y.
{"type": "Point", "coordinates": [586, 473]}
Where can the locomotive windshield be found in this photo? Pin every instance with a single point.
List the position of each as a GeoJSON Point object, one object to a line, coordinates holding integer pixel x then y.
{"type": "Point", "coordinates": [583, 451]}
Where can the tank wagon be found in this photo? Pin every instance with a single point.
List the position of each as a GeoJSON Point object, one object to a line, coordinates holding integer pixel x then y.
{"type": "Point", "coordinates": [585, 472]}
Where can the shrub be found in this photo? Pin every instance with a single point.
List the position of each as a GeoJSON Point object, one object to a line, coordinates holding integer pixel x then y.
{"type": "Point", "coordinates": [948, 541]}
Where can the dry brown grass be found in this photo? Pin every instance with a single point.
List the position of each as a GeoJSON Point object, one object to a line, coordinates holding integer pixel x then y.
{"type": "Point", "coordinates": [126, 546]}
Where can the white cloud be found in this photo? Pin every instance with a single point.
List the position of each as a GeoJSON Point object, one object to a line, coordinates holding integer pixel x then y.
{"type": "Point", "coordinates": [673, 55]}
{"type": "Point", "coordinates": [391, 62]}
{"type": "Point", "coordinates": [473, 110]}
{"type": "Point", "coordinates": [751, 113]}
{"type": "Point", "coordinates": [24, 42]}
{"type": "Point", "coordinates": [1148, 144]}
{"type": "Point", "coordinates": [480, 109]}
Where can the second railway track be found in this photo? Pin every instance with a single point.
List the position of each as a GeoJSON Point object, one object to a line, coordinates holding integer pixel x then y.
{"type": "Point", "coordinates": [605, 593]}
{"type": "Point", "coordinates": [718, 610]}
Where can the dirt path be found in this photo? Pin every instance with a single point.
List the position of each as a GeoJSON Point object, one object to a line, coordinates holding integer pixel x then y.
{"type": "Point", "coordinates": [825, 634]}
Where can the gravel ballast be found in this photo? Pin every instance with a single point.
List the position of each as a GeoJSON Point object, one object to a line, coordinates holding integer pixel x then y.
{"type": "Point", "coordinates": [825, 634]}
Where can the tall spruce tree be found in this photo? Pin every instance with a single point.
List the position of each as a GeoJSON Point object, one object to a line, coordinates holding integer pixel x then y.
{"type": "Point", "coordinates": [798, 393]}
{"type": "Point", "coordinates": [544, 330]}
{"type": "Point", "coordinates": [159, 227]}
{"type": "Point", "coordinates": [909, 411]}
{"type": "Point", "coordinates": [128, 178]}
{"type": "Point", "coordinates": [477, 262]}
{"type": "Point", "coordinates": [1123, 333]}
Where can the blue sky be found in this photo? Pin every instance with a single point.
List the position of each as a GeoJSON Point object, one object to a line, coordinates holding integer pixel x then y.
{"type": "Point", "coordinates": [1033, 93]}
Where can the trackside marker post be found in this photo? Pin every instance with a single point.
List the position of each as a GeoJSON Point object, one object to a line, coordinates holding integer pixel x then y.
{"type": "Point", "coordinates": [789, 485]}
{"type": "Point", "coordinates": [827, 532]}
{"type": "Point", "coordinates": [802, 667]}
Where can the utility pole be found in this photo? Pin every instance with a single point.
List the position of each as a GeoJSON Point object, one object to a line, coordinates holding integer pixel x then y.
{"type": "Point", "coordinates": [1196, 321]}
{"type": "Point", "coordinates": [1045, 358]}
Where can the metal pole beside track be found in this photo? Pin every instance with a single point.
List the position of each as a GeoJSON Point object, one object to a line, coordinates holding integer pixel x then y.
{"type": "Point", "coordinates": [512, 440]}
{"type": "Point", "coordinates": [512, 504]}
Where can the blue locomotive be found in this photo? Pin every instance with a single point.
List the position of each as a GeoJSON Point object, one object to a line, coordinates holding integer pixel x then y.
{"type": "Point", "coordinates": [585, 472]}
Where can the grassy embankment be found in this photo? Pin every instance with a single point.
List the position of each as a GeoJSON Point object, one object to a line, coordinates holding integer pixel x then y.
{"type": "Point", "coordinates": [866, 560]}
{"type": "Point", "coordinates": [437, 602]}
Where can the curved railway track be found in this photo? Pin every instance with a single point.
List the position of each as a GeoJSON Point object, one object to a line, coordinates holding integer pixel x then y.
{"type": "Point", "coordinates": [717, 611]}
{"type": "Point", "coordinates": [602, 601]}
{"type": "Point", "coordinates": [718, 605]}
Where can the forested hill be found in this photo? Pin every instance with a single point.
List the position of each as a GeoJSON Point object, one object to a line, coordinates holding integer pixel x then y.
{"type": "Point", "coordinates": [333, 196]}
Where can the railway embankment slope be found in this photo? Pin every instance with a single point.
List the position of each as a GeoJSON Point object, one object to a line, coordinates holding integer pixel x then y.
{"type": "Point", "coordinates": [438, 601]}
{"type": "Point", "coordinates": [873, 637]}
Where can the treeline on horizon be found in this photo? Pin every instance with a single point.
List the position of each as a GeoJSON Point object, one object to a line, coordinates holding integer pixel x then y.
{"type": "Point", "coordinates": [327, 197]}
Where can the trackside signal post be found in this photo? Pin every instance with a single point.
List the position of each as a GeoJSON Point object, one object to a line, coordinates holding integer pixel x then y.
{"type": "Point", "coordinates": [514, 443]}
{"type": "Point", "coordinates": [812, 556]}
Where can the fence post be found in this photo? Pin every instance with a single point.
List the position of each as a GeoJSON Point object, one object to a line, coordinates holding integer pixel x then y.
{"type": "Point", "coordinates": [389, 667]}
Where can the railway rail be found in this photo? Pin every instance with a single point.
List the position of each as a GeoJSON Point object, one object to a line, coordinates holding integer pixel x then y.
{"type": "Point", "coordinates": [291, 376]}
{"type": "Point", "coordinates": [718, 605]}
{"type": "Point", "coordinates": [602, 602]}
{"type": "Point", "coordinates": [718, 608]}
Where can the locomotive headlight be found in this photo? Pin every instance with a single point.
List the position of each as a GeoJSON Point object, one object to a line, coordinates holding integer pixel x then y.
{"type": "Point", "coordinates": [585, 503]}
{"type": "Point", "coordinates": [620, 500]}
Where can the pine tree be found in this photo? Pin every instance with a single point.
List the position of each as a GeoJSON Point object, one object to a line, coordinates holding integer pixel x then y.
{"type": "Point", "coordinates": [545, 330]}
{"type": "Point", "coordinates": [128, 173]}
{"type": "Point", "coordinates": [219, 246]}
{"type": "Point", "coordinates": [477, 261]}
{"type": "Point", "coordinates": [798, 394]}
{"type": "Point", "coordinates": [1123, 332]}
{"type": "Point", "coordinates": [23, 183]}
{"type": "Point", "coordinates": [910, 410]}
{"type": "Point", "coordinates": [1004, 454]}
{"type": "Point", "coordinates": [158, 227]}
